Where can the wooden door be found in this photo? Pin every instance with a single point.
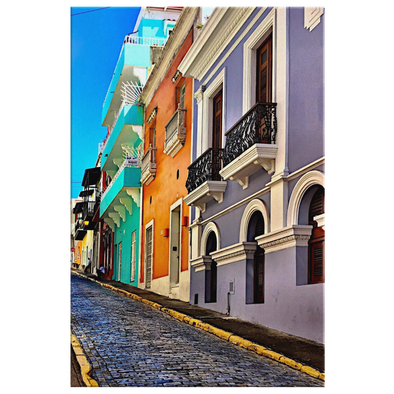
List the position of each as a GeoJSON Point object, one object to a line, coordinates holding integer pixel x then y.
{"type": "Point", "coordinates": [258, 276]}
{"type": "Point", "coordinates": [217, 121]}
{"type": "Point", "coordinates": [264, 72]}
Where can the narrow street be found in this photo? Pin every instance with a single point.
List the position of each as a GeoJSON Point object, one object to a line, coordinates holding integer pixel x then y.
{"type": "Point", "coordinates": [132, 344]}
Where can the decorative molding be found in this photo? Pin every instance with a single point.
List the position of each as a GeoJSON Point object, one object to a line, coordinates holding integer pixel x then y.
{"type": "Point", "coordinates": [127, 202]}
{"type": "Point", "coordinates": [249, 162]}
{"type": "Point", "coordinates": [233, 253]}
{"type": "Point", "coordinates": [217, 33]}
{"type": "Point", "coordinates": [210, 227]}
{"type": "Point", "coordinates": [285, 238]}
{"type": "Point", "coordinates": [134, 193]}
{"type": "Point", "coordinates": [250, 209]}
{"type": "Point", "coordinates": [176, 76]}
{"type": "Point", "coordinates": [304, 183]}
{"type": "Point", "coordinates": [312, 16]}
{"type": "Point", "coordinates": [115, 217]}
{"type": "Point", "coordinates": [121, 211]}
{"type": "Point", "coordinates": [152, 115]}
{"type": "Point", "coordinates": [110, 222]}
{"type": "Point", "coordinates": [200, 263]}
{"type": "Point", "coordinates": [206, 192]}
{"type": "Point", "coordinates": [199, 94]}
{"type": "Point", "coordinates": [320, 219]}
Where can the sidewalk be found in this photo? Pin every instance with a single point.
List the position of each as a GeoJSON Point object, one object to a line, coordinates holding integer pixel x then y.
{"type": "Point", "coordinates": [303, 351]}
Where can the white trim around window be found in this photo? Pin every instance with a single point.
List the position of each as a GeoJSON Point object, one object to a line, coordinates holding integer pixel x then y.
{"type": "Point", "coordinates": [219, 83]}
{"type": "Point", "coordinates": [251, 45]}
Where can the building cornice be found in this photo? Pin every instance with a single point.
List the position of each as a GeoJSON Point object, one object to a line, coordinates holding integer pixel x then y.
{"type": "Point", "coordinates": [288, 237]}
{"type": "Point", "coordinates": [233, 253]}
{"type": "Point", "coordinates": [174, 43]}
{"type": "Point", "coordinates": [213, 39]}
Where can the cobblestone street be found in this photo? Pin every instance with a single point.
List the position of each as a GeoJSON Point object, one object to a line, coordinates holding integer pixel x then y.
{"type": "Point", "coordinates": [129, 343]}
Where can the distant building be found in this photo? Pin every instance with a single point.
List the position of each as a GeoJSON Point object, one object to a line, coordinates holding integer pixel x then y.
{"type": "Point", "coordinates": [121, 152]}
{"type": "Point", "coordinates": [168, 100]}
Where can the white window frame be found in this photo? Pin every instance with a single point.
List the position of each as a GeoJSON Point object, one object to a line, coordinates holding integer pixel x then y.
{"type": "Point", "coordinates": [275, 21]}
{"type": "Point", "coordinates": [251, 45]}
{"type": "Point", "coordinates": [151, 223]}
{"type": "Point", "coordinates": [219, 83]}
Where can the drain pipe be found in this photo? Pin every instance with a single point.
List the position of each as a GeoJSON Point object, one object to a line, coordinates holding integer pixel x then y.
{"type": "Point", "coordinates": [228, 304]}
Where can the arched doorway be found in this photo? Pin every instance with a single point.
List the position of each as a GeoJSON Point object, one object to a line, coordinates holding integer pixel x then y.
{"type": "Point", "coordinates": [211, 272]}
{"type": "Point", "coordinates": [255, 269]}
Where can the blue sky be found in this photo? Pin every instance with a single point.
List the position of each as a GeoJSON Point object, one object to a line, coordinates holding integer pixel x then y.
{"type": "Point", "coordinates": [97, 35]}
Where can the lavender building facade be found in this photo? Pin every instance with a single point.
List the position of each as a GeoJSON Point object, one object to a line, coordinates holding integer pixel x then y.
{"type": "Point", "coordinates": [256, 182]}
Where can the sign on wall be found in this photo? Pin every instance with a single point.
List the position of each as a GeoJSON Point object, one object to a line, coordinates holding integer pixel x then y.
{"type": "Point", "coordinates": [132, 161]}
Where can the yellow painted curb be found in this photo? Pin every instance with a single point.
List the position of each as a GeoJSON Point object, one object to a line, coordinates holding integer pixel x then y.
{"type": "Point", "coordinates": [291, 363]}
{"type": "Point", "coordinates": [257, 348]}
{"type": "Point", "coordinates": [86, 368]}
{"type": "Point", "coordinates": [150, 303]}
{"type": "Point", "coordinates": [220, 333]}
{"type": "Point", "coordinates": [310, 371]}
{"type": "Point", "coordinates": [177, 315]}
{"type": "Point", "coordinates": [192, 321]}
{"type": "Point", "coordinates": [240, 341]}
{"type": "Point", "coordinates": [271, 354]}
{"type": "Point", "coordinates": [228, 336]}
{"type": "Point", "coordinates": [202, 325]}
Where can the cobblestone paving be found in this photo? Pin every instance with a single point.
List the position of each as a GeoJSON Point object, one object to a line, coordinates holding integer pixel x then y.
{"type": "Point", "coordinates": [129, 343]}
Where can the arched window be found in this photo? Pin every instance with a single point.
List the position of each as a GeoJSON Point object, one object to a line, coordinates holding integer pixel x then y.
{"type": "Point", "coordinates": [211, 274]}
{"type": "Point", "coordinates": [255, 268]}
{"type": "Point", "coordinates": [316, 242]}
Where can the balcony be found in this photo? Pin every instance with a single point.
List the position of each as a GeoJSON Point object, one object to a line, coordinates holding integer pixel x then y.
{"type": "Point", "coordinates": [125, 184]}
{"type": "Point", "coordinates": [175, 132]}
{"type": "Point", "coordinates": [250, 144]}
{"type": "Point", "coordinates": [204, 182]}
{"type": "Point", "coordinates": [79, 230]}
{"type": "Point", "coordinates": [148, 166]}
{"type": "Point", "coordinates": [132, 66]}
{"type": "Point", "coordinates": [84, 222]}
{"type": "Point", "coordinates": [127, 129]}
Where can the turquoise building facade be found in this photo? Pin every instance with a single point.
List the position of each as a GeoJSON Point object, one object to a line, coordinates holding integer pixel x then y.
{"type": "Point", "coordinates": [121, 152]}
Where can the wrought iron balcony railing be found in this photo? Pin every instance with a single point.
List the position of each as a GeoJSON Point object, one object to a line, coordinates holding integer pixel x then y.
{"type": "Point", "coordinates": [258, 125]}
{"type": "Point", "coordinates": [205, 168]}
{"type": "Point", "coordinates": [88, 209]}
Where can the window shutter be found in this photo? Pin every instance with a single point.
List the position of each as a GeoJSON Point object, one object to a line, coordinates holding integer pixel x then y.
{"type": "Point", "coordinates": [317, 205]}
{"type": "Point", "coordinates": [316, 242]}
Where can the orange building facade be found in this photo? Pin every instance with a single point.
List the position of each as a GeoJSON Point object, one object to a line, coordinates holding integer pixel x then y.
{"type": "Point", "coordinates": [167, 97]}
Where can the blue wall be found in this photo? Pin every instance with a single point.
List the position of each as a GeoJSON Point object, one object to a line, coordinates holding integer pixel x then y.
{"type": "Point", "coordinates": [123, 234]}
